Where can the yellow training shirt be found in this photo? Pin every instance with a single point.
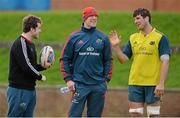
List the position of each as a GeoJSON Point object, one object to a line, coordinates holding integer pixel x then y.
{"type": "Point", "coordinates": [146, 52]}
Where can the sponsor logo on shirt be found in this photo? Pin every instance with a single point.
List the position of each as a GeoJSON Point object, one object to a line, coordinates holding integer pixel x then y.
{"type": "Point", "coordinates": [152, 43]}
{"type": "Point", "coordinates": [31, 49]}
{"type": "Point", "coordinates": [80, 42]}
{"type": "Point", "coordinates": [89, 52]}
{"type": "Point", "coordinates": [90, 49]}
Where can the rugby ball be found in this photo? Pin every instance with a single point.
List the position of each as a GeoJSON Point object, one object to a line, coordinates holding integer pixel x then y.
{"type": "Point", "coordinates": [47, 56]}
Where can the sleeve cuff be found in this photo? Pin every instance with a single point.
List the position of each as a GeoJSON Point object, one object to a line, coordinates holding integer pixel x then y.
{"type": "Point", "coordinates": [107, 80]}
{"type": "Point", "coordinates": [67, 78]}
{"type": "Point", "coordinates": [39, 77]}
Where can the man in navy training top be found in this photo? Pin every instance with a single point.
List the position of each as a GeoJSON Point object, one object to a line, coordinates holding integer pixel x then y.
{"type": "Point", "coordinates": [86, 64]}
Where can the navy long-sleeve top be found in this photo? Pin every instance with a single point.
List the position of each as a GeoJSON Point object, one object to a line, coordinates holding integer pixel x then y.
{"type": "Point", "coordinates": [86, 57]}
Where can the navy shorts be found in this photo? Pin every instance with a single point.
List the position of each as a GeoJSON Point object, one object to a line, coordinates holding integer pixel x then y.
{"type": "Point", "coordinates": [143, 94]}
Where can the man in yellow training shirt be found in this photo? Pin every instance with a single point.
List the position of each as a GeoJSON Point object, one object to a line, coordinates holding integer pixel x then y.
{"type": "Point", "coordinates": [150, 52]}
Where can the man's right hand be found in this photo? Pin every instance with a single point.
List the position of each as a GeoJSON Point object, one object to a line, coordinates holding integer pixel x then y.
{"type": "Point", "coordinates": [114, 39]}
{"type": "Point", "coordinates": [43, 78]}
{"type": "Point", "coordinates": [70, 85]}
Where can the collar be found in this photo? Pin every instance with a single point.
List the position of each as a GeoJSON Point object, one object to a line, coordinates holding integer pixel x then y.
{"type": "Point", "coordinates": [153, 30]}
{"type": "Point", "coordinates": [29, 41]}
{"type": "Point", "coordinates": [92, 29]}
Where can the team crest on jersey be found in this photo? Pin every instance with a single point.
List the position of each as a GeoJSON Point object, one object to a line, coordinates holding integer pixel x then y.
{"type": "Point", "coordinates": [80, 42]}
{"type": "Point", "coordinates": [99, 41]}
{"type": "Point", "coordinates": [152, 43]}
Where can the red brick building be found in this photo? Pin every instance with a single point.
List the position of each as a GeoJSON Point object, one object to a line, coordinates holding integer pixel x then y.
{"type": "Point", "coordinates": [118, 5]}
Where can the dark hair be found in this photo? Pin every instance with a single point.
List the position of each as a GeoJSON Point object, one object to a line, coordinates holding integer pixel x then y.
{"type": "Point", "coordinates": [143, 12]}
{"type": "Point", "coordinates": [29, 22]}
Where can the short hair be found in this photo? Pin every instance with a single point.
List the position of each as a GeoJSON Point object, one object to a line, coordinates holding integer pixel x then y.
{"type": "Point", "coordinates": [143, 12]}
{"type": "Point", "coordinates": [30, 21]}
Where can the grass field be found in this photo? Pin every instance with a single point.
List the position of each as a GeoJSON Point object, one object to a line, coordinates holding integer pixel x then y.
{"type": "Point", "coordinates": [57, 26]}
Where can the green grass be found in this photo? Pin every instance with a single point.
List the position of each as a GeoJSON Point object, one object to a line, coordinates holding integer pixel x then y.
{"type": "Point", "coordinates": [58, 25]}
{"type": "Point", "coordinates": [4, 65]}
{"type": "Point", "coordinates": [119, 77]}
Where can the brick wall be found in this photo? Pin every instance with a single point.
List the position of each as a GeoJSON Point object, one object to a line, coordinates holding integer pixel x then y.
{"type": "Point", "coordinates": [122, 5]}
{"type": "Point", "coordinates": [52, 103]}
